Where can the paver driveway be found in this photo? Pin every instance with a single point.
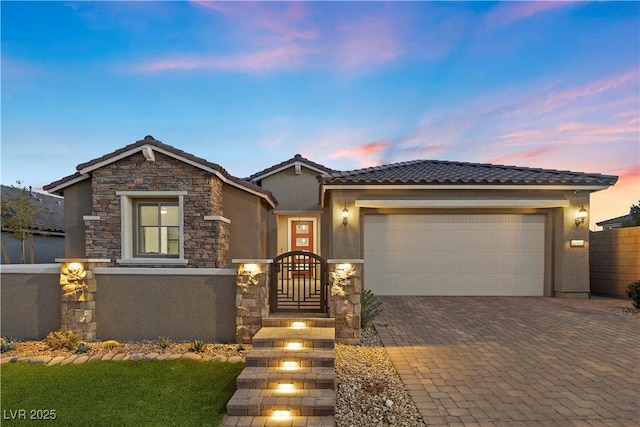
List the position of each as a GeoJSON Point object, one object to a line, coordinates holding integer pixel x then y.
{"type": "Point", "coordinates": [515, 361]}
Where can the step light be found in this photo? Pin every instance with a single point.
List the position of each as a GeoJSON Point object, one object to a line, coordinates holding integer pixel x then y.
{"type": "Point", "coordinates": [290, 365]}
{"type": "Point", "coordinates": [281, 414]}
{"type": "Point", "coordinates": [286, 388]}
{"type": "Point", "coordinates": [298, 325]}
{"type": "Point", "coordinates": [294, 345]}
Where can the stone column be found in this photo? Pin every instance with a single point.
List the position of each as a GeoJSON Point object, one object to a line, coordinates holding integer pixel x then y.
{"type": "Point", "coordinates": [79, 287]}
{"type": "Point", "coordinates": [344, 299]}
{"type": "Point", "coordinates": [252, 298]}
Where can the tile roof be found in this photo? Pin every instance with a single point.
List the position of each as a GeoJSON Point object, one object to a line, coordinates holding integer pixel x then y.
{"type": "Point", "coordinates": [149, 140]}
{"type": "Point", "coordinates": [51, 216]}
{"type": "Point", "coordinates": [458, 173]}
{"type": "Point", "coordinates": [617, 220]}
{"type": "Point", "coordinates": [295, 159]}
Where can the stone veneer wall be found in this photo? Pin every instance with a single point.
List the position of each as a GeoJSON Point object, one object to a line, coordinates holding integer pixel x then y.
{"type": "Point", "coordinates": [344, 300]}
{"type": "Point", "coordinates": [206, 243]}
{"type": "Point", "coordinates": [252, 299]}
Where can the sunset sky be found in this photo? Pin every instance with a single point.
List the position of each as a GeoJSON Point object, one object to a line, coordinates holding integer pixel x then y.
{"type": "Point", "coordinates": [348, 85]}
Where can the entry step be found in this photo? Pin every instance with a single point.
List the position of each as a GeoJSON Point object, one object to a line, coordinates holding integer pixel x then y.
{"type": "Point", "coordinates": [246, 421]}
{"type": "Point", "coordinates": [274, 378]}
{"type": "Point", "coordinates": [272, 402]}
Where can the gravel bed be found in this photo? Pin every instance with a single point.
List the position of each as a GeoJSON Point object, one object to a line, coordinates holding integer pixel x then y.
{"type": "Point", "coordinates": [368, 389]}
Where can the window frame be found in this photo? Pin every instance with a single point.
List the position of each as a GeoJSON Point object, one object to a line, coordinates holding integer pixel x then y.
{"type": "Point", "coordinates": [128, 227]}
{"type": "Point", "coordinates": [137, 227]}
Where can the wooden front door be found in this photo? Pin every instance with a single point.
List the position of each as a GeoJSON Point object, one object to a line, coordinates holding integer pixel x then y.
{"type": "Point", "coordinates": [301, 239]}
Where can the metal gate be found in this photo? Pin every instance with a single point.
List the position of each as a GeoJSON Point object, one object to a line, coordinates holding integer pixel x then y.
{"type": "Point", "coordinates": [298, 283]}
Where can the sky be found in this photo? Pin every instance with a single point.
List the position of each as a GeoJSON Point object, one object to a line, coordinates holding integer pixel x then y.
{"type": "Point", "coordinates": [346, 84]}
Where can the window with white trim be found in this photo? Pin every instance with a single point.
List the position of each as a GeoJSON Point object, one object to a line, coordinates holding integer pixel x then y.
{"type": "Point", "coordinates": [152, 227]}
{"type": "Point", "coordinates": [157, 228]}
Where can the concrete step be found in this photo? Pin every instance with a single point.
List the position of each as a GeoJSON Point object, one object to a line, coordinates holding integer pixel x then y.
{"type": "Point", "coordinates": [275, 357]}
{"type": "Point", "coordinates": [238, 421]}
{"type": "Point", "coordinates": [301, 379]}
{"type": "Point", "coordinates": [285, 322]}
{"type": "Point", "coordinates": [269, 403]}
{"type": "Point", "coordinates": [309, 337]}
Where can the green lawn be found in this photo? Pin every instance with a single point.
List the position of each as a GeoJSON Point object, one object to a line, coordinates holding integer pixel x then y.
{"type": "Point", "coordinates": [141, 393]}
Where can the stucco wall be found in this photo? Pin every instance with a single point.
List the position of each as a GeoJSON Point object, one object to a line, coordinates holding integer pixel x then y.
{"type": "Point", "coordinates": [30, 304]}
{"type": "Point", "coordinates": [248, 228]}
{"type": "Point", "coordinates": [137, 307]}
{"type": "Point", "coordinates": [77, 203]}
{"type": "Point", "coordinates": [614, 260]}
{"type": "Point", "coordinates": [566, 268]}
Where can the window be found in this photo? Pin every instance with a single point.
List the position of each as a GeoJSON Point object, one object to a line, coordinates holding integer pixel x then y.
{"type": "Point", "coordinates": [157, 226]}
{"type": "Point", "coordinates": [152, 227]}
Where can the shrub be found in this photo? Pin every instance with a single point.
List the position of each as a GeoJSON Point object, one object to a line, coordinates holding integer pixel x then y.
{"type": "Point", "coordinates": [164, 342]}
{"type": "Point", "coordinates": [63, 339]}
{"type": "Point", "coordinates": [371, 307]}
{"type": "Point", "coordinates": [6, 345]}
{"type": "Point", "coordinates": [83, 348]}
{"type": "Point", "coordinates": [633, 292]}
{"type": "Point", "coordinates": [110, 344]}
{"type": "Point", "coordinates": [198, 346]}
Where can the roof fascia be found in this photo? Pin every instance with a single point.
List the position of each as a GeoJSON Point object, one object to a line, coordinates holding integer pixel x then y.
{"type": "Point", "coordinates": [287, 166]}
{"type": "Point", "coordinates": [464, 187]}
{"type": "Point", "coordinates": [182, 159]}
{"type": "Point", "coordinates": [462, 203]}
{"type": "Point", "coordinates": [66, 184]}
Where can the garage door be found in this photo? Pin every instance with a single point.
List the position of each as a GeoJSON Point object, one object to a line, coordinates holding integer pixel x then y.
{"type": "Point", "coordinates": [459, 254]}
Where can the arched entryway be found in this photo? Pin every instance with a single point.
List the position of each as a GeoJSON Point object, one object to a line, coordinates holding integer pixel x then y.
{"type": "Point", "coordinates": [298, 283]}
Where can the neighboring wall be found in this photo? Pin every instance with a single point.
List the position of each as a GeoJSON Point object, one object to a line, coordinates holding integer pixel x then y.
{"type": "Point", "coordinates": [30, 301]}
{"type": "Point", "coordinates": [614, 260]}
{"type": "Point", "coordinates": [46, 248]}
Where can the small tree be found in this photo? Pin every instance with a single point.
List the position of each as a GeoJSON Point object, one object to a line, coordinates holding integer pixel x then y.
{"type": "Point", "coordinates": [19, 214]}
{"type": "Point", "coordinates": [634, 211]}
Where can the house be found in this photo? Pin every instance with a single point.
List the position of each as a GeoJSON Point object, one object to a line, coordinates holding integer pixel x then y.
{"type": "Point", "coordinates": [47, 229]}
{"type": "Point", "coordinates": [422, 227]}
{"type": "Point", "coordinates": [615, 222]}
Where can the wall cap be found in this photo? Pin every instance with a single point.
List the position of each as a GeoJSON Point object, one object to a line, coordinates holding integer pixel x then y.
{"type": "Point", "coordinates": [345, 261]}
{"type": "Point", "coordinates": [166, 271]}
{"type": "Point", "coordinates": [30, 268]}
{"type": "Point", "coordinates": [82, 260]}
{"type": "Point", "coordinates": [251, 261]}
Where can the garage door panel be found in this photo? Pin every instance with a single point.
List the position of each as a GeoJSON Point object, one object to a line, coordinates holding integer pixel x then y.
{"type": "Point", "coordinates": [491, 254]}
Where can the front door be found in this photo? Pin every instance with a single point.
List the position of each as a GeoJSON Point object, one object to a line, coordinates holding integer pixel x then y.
{"type": "Point", "coordinates": [301, 239]}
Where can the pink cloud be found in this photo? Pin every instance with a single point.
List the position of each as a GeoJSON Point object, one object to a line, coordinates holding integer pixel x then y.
{"type": "Point", "coordinates": [508, 13]}
{"type": "Point", "coordinates": [369, 41]}
{"type": "Point", "coordinates": [369, 149]}
{"type": "Point", "coordinates": [281, 58]}
{"type": "Point", "coordinates": [517, 157]}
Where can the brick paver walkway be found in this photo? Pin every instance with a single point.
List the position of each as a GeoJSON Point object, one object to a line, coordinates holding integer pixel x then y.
{"type": "Point", "coordinates": [503, 361]}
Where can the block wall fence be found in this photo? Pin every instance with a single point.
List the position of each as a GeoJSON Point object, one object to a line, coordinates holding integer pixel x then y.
{"type": "Point", "coordinates": [614, 260]}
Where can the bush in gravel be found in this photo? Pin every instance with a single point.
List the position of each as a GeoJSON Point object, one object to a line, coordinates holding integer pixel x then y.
{"type": "Point", "coordinates": [83, 348]}
{"type": "Point", "coordinates": [63, 339]}
{"type": "Point", "coordinates": [6, 345]}
{"type": "Point", "coordinates": [110, 344]}
{"type": "Point", "coordinates": [633, 292]}
{"type": "Point", "coordinates": [371, 307]}
{"type": "Point", "coordinates": [198, 346]}
{"type": "Point", "coordinates": [164, 342]}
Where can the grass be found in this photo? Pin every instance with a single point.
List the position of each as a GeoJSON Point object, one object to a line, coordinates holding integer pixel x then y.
{"type": "Point", "coordinates": [141, 393]}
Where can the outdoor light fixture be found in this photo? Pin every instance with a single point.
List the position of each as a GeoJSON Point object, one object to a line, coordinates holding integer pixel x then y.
{"type": "Point", "coordinates": [286, 388]}
{"type": "Point", "coordinates": [290, 365]}
{"type": "Point", "coordinates": [298, 325]}
{"type": "Point", "coordinates": [294, 345]}
{"type": "Point", "coordinates": [345, 216]}
{"type": "Point", "coordinates": [582, 215]}
{"type": "Point", "coordinates": [281, 414]}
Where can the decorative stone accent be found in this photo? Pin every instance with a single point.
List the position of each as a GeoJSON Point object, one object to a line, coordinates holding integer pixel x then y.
{"type": "Point", "coordinates": [78, 307]}
{"type": "Point", "coordinates": [344, 300]}
{"type": "Point", "coordinates": [252, 299]}
{"type": "Point", "coordinates": [206, 243]}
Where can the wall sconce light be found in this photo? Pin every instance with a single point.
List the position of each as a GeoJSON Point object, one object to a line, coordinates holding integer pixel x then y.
{"type": "Point", "coordinates": [345, 216]}
{"type": "Point", "coordinates": [582, 215]}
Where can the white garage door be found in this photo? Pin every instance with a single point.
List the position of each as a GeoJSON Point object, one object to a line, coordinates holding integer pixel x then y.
{"type": "Point", "coordinates": [458, 254]}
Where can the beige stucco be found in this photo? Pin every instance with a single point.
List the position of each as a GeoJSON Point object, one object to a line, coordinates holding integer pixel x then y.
{"type": "Point", "coordinates": [566, 268]}
{"type": "Point", "coordinates": [77, 204]}
{"type": "Point", "coordinates": [248, 228]}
